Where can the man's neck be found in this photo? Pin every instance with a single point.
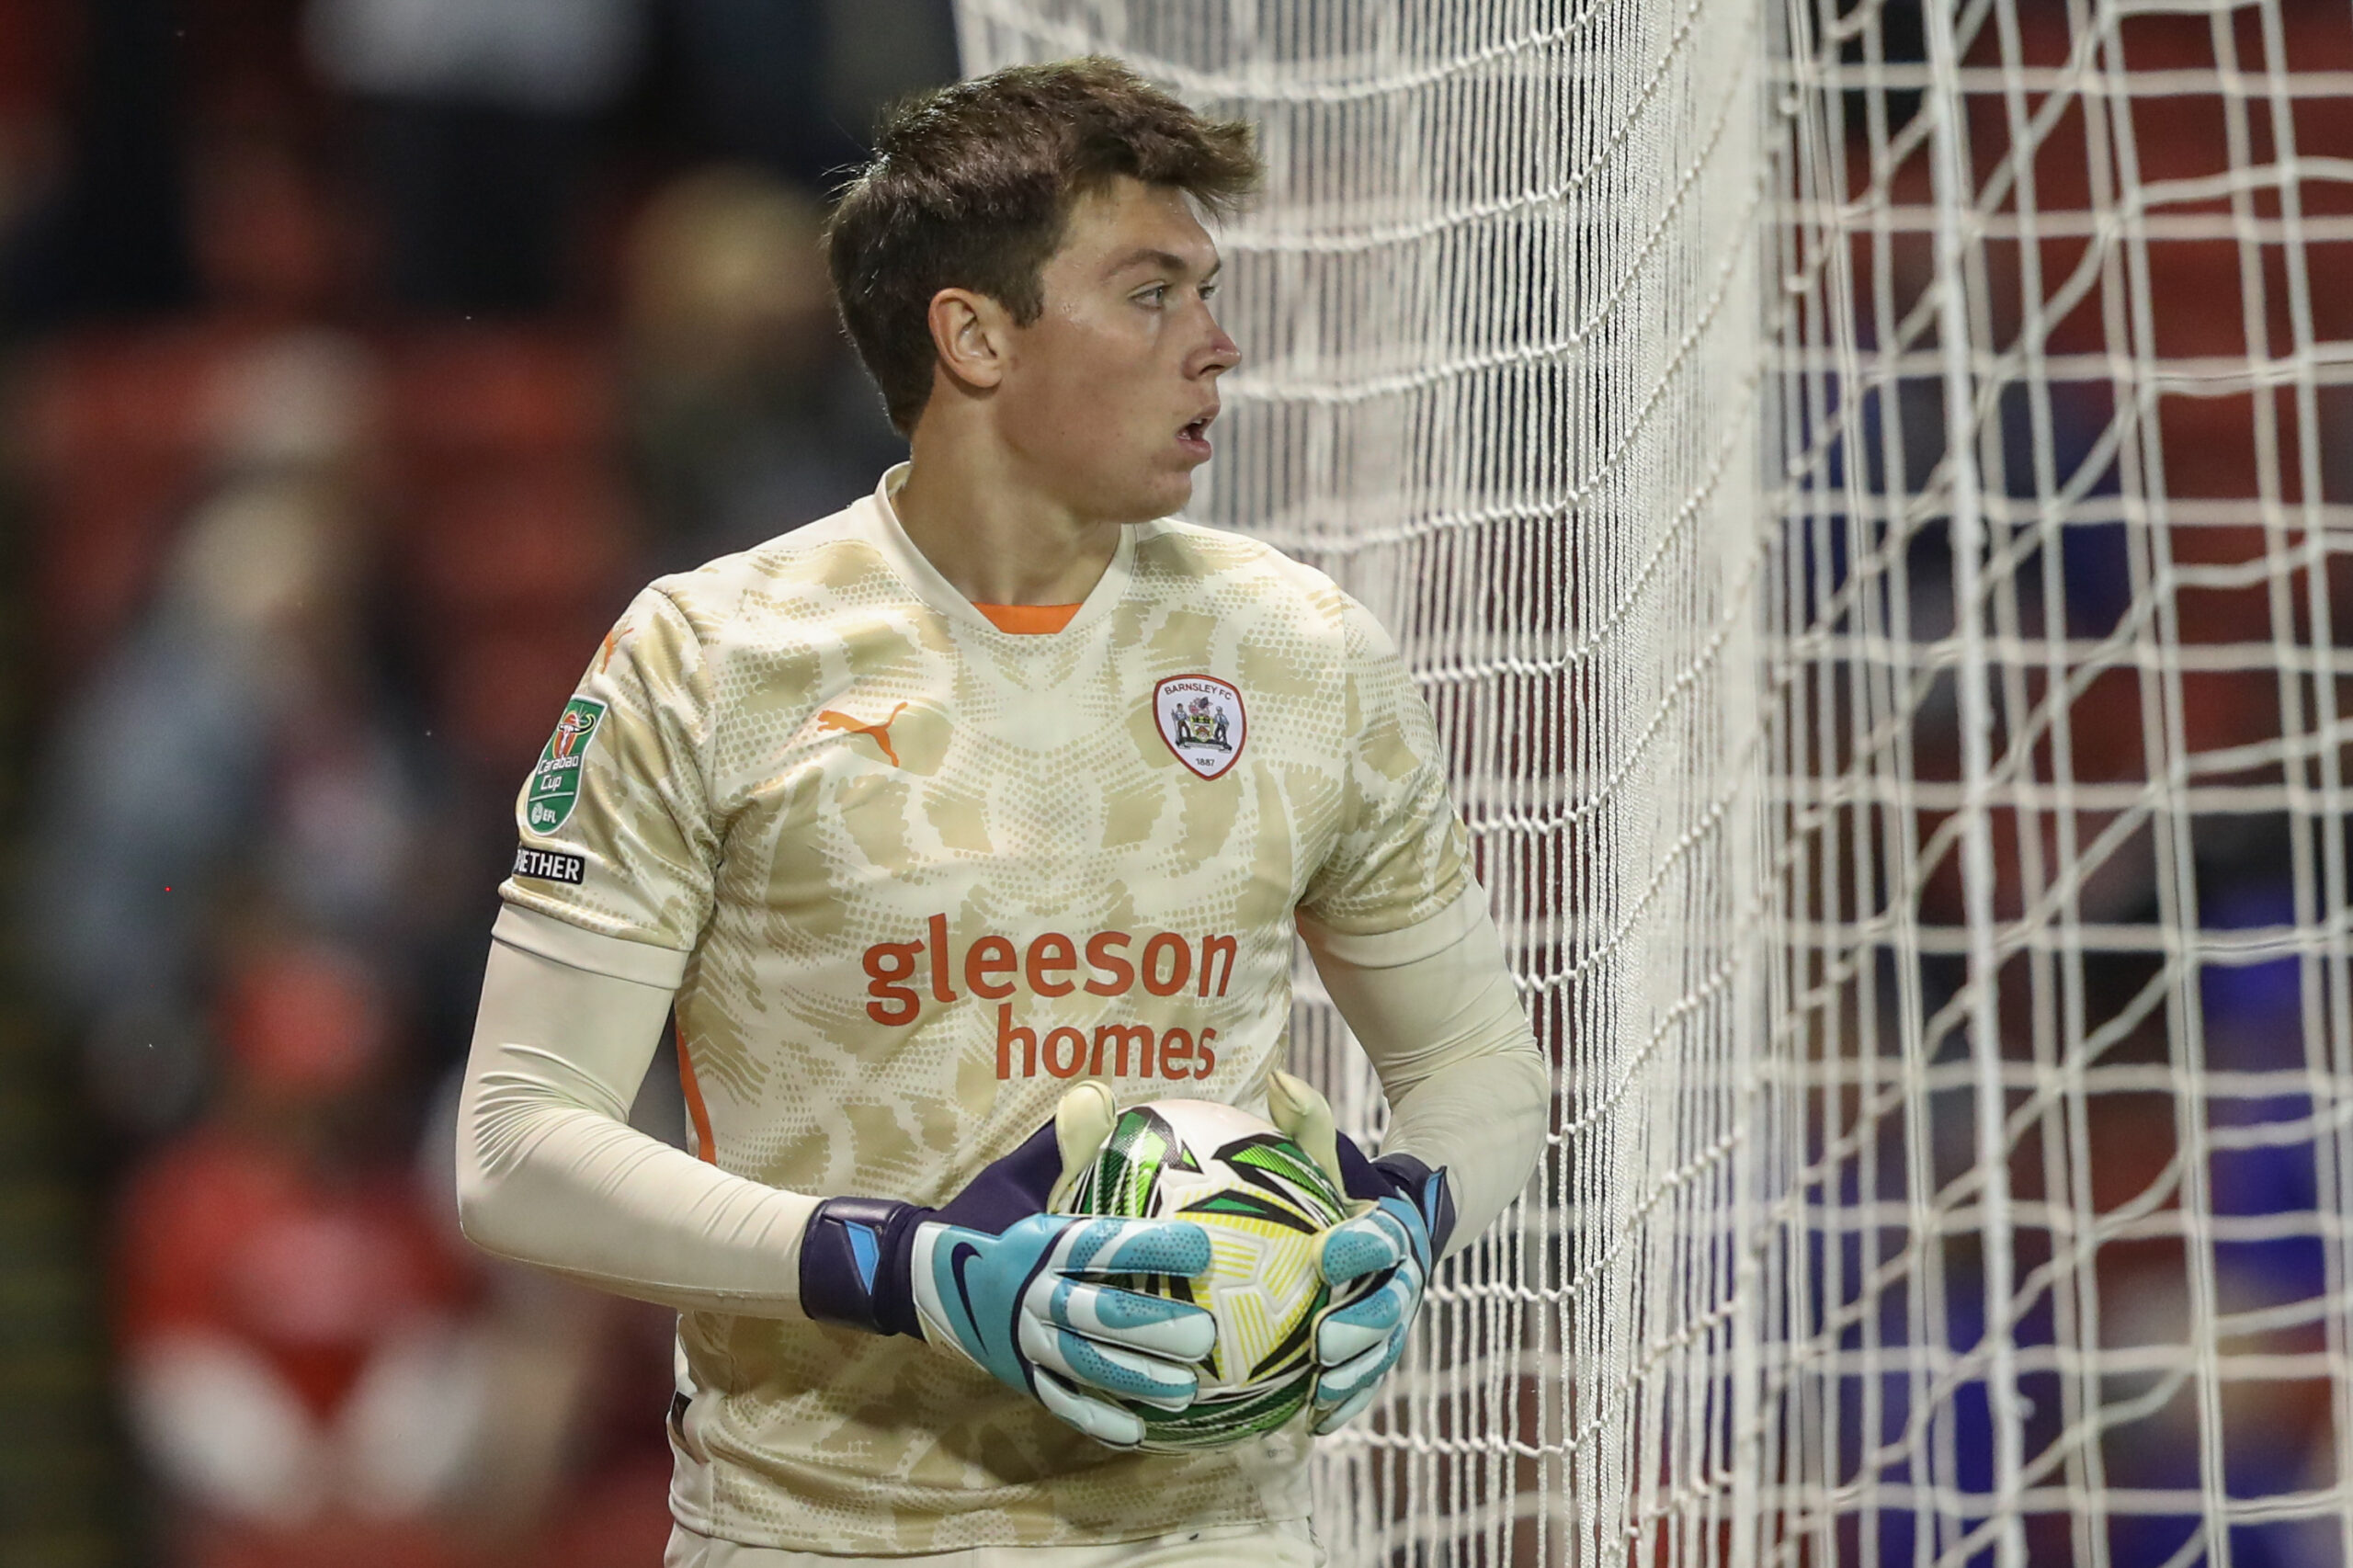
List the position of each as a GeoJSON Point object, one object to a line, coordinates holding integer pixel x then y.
{"type": "Point", "coordinates": [997, 538]}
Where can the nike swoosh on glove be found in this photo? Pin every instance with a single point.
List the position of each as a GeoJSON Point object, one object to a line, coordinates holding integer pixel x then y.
{"type": "Point", "coordinates": [993, 1276]}
{"type": "Point", "coordinates": [1377, 1262]}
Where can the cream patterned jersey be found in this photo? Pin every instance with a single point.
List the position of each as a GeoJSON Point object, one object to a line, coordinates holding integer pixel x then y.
{"type": "Point", "coordinates": [924, 873]}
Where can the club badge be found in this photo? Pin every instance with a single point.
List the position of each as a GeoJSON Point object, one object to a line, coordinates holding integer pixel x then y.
{"type": "Point", "coordinates": [555, 782]}
{"type": "Point", "coordinates": [1201, 719]}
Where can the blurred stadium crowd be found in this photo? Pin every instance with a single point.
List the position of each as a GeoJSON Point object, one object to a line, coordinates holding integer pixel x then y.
{"type": "Point", "coordinates": [359, 358]}
{"type": "Point", "coordinates": [2204, 1144]}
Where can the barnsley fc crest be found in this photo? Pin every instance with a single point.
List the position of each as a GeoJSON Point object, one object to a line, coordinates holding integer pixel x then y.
{"type": "Point", "coordinates": [555, 783]}
{"type": "Point", "coordinates": [1200, 717]}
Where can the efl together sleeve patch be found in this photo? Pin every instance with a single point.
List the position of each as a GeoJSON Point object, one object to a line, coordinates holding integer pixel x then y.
{"type": "Point", "coordinates": [550, 864]}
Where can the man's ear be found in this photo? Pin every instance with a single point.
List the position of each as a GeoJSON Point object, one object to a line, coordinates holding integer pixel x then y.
{"type": "Point", "coordinates": [972, 335]}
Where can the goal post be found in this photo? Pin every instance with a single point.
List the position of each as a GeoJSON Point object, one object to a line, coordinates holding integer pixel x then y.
{"type": "Point", "coordinates": [1865, 486]}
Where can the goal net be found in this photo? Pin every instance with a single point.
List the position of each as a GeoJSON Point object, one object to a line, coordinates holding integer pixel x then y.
{"type": "Point", "coordinates": [1864, 485]}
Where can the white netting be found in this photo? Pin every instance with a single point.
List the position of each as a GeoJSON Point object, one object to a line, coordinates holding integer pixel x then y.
{"type": "Point", "coordinates": [1499, 313]}
{"type": "Point", "coordinates": [2062, 1050]}
{"type": "Point", "coordinates": [1857, 482]}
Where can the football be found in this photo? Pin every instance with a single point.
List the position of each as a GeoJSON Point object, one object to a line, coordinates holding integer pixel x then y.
{"type": "Point", "coordinates": [1264, 1204]}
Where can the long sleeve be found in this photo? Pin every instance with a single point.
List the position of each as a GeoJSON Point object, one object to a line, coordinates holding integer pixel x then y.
{"type": "Point", "coordinates": [1434, 1007]}
{"type": "Point", "coordinates": [550, 1172]}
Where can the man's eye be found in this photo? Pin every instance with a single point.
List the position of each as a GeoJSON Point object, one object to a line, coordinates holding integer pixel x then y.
{"type": "Point", "coordinates": [1209, 290]}
{"type": "Point", "coordinates": [1155, 295]}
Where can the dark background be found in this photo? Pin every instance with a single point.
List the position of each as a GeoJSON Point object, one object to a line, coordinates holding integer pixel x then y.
{"type": "Point", "coordinates": [358, 359]}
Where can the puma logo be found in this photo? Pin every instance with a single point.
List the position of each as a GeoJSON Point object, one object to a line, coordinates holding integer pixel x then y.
{"type": "Point", "coordinates": [879, 734]}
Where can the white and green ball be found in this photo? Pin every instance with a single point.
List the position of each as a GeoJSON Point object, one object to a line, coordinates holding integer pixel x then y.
{"type": "Point", "coordinates": [1265, 1205]}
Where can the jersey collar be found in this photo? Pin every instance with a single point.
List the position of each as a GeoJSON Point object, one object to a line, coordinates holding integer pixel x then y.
{"type": "Point", "coordinates": [884, 532]}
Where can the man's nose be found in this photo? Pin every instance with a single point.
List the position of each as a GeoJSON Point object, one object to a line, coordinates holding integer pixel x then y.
{"type": "Point", "coordinates": [1223, 353]}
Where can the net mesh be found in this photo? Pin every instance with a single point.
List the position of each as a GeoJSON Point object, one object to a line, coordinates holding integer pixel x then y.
{"type": "Point", "coordinates": [1865, 487]}
{"type": "Point", "coordinates": [2061, 943]}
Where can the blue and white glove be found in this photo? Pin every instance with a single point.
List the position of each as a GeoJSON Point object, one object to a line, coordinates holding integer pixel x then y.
{"type": "Point", "coordinates": [1377, 1262]}
{"type": "Point", "coordinates": [998, 1279]}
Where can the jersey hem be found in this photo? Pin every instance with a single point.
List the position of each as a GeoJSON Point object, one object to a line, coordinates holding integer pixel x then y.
{"type": "Point", "coordinates": [550, 936]}
{"type": "Point", "coordinates": [1207, 1528]}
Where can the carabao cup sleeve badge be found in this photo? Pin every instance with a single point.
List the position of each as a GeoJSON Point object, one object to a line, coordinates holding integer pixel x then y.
{"type": "Point", "coordinates": [555, 782]}
{"type": "Point", "coordinates": [1202, 720]}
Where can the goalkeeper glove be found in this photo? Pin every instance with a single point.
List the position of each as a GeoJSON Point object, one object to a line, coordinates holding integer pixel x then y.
{"type": "Point", "coordinates": [1385, 1251]}
{"type": "Point", "coordinates": [998, 1279]}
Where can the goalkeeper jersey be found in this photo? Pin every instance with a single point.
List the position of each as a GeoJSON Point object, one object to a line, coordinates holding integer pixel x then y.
{"type": "Point", "coordinates": [912, 876]}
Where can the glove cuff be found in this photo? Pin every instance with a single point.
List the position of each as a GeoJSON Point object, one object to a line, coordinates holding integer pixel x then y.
{"type": "Point", "coordinates": [1426, 1190]}
{"type": "Point", "coordinates": [855, 1258]}
{"type": "Point", "coordinates": [1402, 1176]}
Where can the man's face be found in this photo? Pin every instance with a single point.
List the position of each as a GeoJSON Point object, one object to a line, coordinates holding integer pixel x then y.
{"type": "Point", "coordinates": [1107, 397]}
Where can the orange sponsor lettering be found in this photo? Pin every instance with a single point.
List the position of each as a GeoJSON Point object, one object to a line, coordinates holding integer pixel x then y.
{"type": "Point", "coordinates": [994, 968]}
{"type": "Point", "coordinates": [1064, 1061]}
{"type": "Point", "coordinates": [1120, 1037]}
{"type": "Point", "coordinates": [940, 990]}
{"type": "Point", "coordinates": [887, 964]}
{"type": "Point", "coordinates": [1125, 1049]}
{"type": "Point", "coordinates": [1212, 949]}
{"type": "Point", "coordinates": [1180, 963]}
{"type": "Point", "coordinates": [902, 976]}
{"type": "Point", "coordinates": [1103, 954]}
{"type": "Point", "coordinates": [1008, 1035]}
{"type": "Point", "coordinates": [1050, 955]}
{"type": "Point", "coordinates": [989, 956]}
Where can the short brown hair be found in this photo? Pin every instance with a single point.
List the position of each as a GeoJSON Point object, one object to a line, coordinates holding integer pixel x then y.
{"type": "Point", "coordinates": [971, 187]}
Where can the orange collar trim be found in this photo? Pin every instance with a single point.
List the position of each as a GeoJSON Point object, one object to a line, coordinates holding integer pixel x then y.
{"type": "Point", "coordinates": [1028, 620]}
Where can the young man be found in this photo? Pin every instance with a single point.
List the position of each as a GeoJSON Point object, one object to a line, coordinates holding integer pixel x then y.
{"type": "Point", "coordinates": [997, 783]}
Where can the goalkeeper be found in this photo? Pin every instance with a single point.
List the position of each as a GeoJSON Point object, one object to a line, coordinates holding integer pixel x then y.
{"type": "Point", "coordinates": [997, 782]}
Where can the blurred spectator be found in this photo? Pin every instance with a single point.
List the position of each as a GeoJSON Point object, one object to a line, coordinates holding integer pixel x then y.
{"type": "Point", "coordinates": [482, 123]}
{"type": "Point", "coordinates": [748, 415]}
{"type": "Point", "coordinates": [270, 239]}
{"type": "Point", "coordinates": [514, 539]}
{"type": "Point", "coordinates": [303, 1364]}
{"type": "Point", "coordinates": [304, 583]}
{"type": "Point", "coordinates": [122, 424]}
{"type": "Point", "coordinates": [234, 752]}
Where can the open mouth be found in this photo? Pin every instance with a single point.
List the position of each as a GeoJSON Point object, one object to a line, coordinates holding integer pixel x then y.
{"type": "Point", "coordinates": [1197, 431]}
